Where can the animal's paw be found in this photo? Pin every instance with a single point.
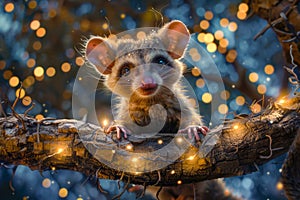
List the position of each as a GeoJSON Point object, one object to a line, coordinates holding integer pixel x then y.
{"type": "Point", "coordinates": [193, 131]}
{"type": "Point", "coordinates": [121, 131]}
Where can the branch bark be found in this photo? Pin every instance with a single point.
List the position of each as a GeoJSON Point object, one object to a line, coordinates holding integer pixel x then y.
{"type": "Point", "coordinates": [237, 148]}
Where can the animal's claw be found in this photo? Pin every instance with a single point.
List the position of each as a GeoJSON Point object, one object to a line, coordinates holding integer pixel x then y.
{"type": "Point", "coordinates": [121, 130]}
{"type": "Point", "coordinates": [194, 130]}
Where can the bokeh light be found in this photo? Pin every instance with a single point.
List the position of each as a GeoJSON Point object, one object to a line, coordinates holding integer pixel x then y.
{"type": "Point", "coordinates": [206, 97]}
{"type": "Point", "coordinates": [40, 32]}
{"type": "Point", "coordinates": [232, 26]}
{"type": "Point", "coordinates": [204, 24]}
{"type": "Point", "coordinates": [63, 193]}
{"type": "Point", "coordinates": [35, 24]}
{"type": "Point", "coordinates": [196, 71]}
{"type": "Point", "coordinates": [20, 93]}
{"type": "Point", "coordinates": [269, 69]}
{"type": "Point", "coordinates": [224, 22]}
{"type": "Point", "coordinates": [9, 7]}
{"type": "Point", "coordinates": [261, 89]}
{"type": "Point", "coordinates": [38, 71]}
{"type": "Point", "coordinates": [14, 81]}
{"type": "Point", "coordinates": [46, 183]}
{"type": "Point", "coordinates": [253, 77]}
{"type": "Point", "coordinates": [223, 109]}
{"type": "Point", "coordinates": [26, 101]}
{"type": "Point", "coordinates": [65, 67]}
{"type": "Point", "coordinates": [240, 100]}
{"type": "Point", "coordinates": [50, 71]}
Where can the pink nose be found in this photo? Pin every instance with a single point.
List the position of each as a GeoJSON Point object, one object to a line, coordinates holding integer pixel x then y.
{"type": "Point", "coordinates": [148, 83]}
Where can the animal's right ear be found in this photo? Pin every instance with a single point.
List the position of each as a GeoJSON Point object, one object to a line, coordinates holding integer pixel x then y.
{"type": "Point", "coordinates": [100, 52]}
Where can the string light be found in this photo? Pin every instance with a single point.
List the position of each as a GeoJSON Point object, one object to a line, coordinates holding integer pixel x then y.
{"type": "Point", "coordinates": [173, 172]}
{"type": "Point", "coordinates": [179, 182]}
{"type": "Point", "coordinates": [206, 97]}
{"type": "Point", "coordinates": [160, 141]}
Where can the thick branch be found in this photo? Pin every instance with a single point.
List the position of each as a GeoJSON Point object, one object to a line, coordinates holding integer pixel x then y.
{"type": "Point", "coordinates": [234, 149]}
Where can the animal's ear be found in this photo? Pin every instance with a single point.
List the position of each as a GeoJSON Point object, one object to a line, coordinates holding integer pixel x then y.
{"type": "Point", "coordinates": [175, 36]}
{"type": "Point", "coordinates": [100, 52]}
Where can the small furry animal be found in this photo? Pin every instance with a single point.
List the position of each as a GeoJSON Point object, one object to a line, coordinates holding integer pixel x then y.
{"type": "Point", "coordinates": [145, 73]}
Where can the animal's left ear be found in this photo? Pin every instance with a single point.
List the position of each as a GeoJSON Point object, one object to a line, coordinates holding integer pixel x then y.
{"type": "Point", "coordinates": [175, 37]}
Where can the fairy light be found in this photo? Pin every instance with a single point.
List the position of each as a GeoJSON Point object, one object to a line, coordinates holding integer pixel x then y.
{"type": "Point", "coordinates": [105, 26]}
{"type": "Point", "coordinates": [9, 7]}
{"type": "Point", "coordinates": [224, 22]}
{"type": "Point", "coordinates": [256, 108]}
{"type": "Point", "coordinates": [63, 193]}
{"type": "Point", "coordinates": [179, 182]}
{"type": "Point", "coordinates": [2, 64]}
{"type": "Point", "coordinates": [134, 159]}
{"type": "Point", "coordinates": [37, 45]}
{"type": "Point", "coordinates": [240, 100]}
{"type": "Point", "coordinates": [160, 141]}
{"type": "Point", "coordinates": [122, 16]}
{"type": "Point", "coordinates": [219, 34]}
{"type": "Point", "coordinates": [223, 42]}
{"type": "Point", "coordinates": [261, 89]}
{"type": "Point", "coordinates": [225, 94]}
{"type": "Point", "coordinates": [200, 83]}
{"type": "Point", "coordinates": [281, 101]}
{"type": "Point", "coordinates": [235, 127]}
{"type": "Point", "coordinates": [243, 7]}
{"type": "Point", "coordinates": [253, 77]}
{"type": "Point", "coordinates": [206, 97]}
{"type": "Point", "coordinates": [129, 147]}
{"type": "Point", "coordinates": [204, 24]}
{"type": "Point", "coordinates": [39, 117]}
{"type": "Point", "coordinates": [38, 71]}
{"type": "Point", "coordinates": [35, 24]}
{"type": "Point", "coordinates": [269, 69]}
{"type": "Point", "coordinates": [200, 37]}
{"type": "Point", "coordinates": [179, 139]}
{"type": "Point", "coordinates": [20, 93]}
{"type": "Point", "coordinates": [60, 150]}
{"type": "Point", "coordinates": [279, 186]}
{"type": "Point", "coordinates": [211, 47]}
{"type": "Point", "coordinates": [26, 101]}
{"type": "Point", "coordinates": [79, 61]}
{"type": "Point", "coordinates": [191, 157]}
{"type": "Point", "coordinates": [14, 81]}
{"type": "Point", "coordinates": [232, 26]}
{"type": "Point", "coordinates": [51, 71]}
{"type": "Point", "coordinates": [141, 35]}
{"type": "Point", "coordinates": [40, 32]}
{"type": "Point", "coordinates": [65, 67]}
{"type": "Point", "coordinates": [46, 183]}
{"type": "Point", "coordinates": [196, 71]}
{"type": "Point", "coordinates": [208, 15]}
{"type": "Point", "coordinates": [30, 63]}
{"type": "Point", "coordinates": [208, 38]}
{"type": "Point", "coordinates": [223, 109]}
{"type": "Point", "coordinates": [32, 4]}
{"type": "Point", "coordinates": [173, 172]}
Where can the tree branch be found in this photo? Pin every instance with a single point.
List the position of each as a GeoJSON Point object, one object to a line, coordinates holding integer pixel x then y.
{"type": "Point", "coordinates": [236, 148]}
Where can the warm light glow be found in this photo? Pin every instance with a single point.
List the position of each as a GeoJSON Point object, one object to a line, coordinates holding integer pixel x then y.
{"type": "Point", "coordinates": [38, 71]}
{"type": "Point", "coordinates": [179, 139]}
{"type": "Point", "coordinates": [46, 183]}
{"type": "Point", "coordinates": [134, 159]}
{"type": "Point", "coordinates": [269, 69]}
{"type": "Point", "coordinates": [30, 62]}
{"type": "Point", "coordinates": [20, 93]}
{"type": "Point", "coordinates": [241, 15]}
{"type": "Point", "coordinates": [223, 43]}
{"type": "Point", "coordinates": [256, 108]}
{"type": "Point", "coordinates": [14, 81]}
{"type": "Point", "coordinates": [204, 24]}
{"type": "Point", "coordinates": [279, 186]}
{"type": "Point", "coordinates": [223, 109]}
{"type": "Point", "coordinates": [211, 47]}
{"type": "Point", "coordinates": [160, 141]}
{"type": "Point", "coordinates": [240, 100]}
{"type": "Point", "coordinates": [261, 89]}
{"type": "Point", "coordinates": [191, 157]}
{"type": "Point", "coordinates": [122, 16]}
{"type": "Point", "coordinates": [26, 101]}
{"type": "Point", "coordinates": [40, 117]}
{"type": "Point", "coordinates": [235, 127]}
{"type": "Point", "coordinates": [173, 171]}
{"type": "Point", "coordinates": [37, 45]}
{"type": "Point", "coordinates": [253, 77]}
{"type": "Point", "coordinates": [179, 182]}
{"type": "Point", "coordinates": [9, 7]}
{"type": "Point", "coordinates": [231, 56]}
{"type": "Point", "coordinates": [29, 81]}
{"type": "Point", "coordinates": [196, 71]}
{"type": "Point", "coordinates": [224, 22]}
{"type": "Point", "coordinates": [219, 34]}
{"type": "Point", "coordinates": [2, 64]}
{"type": "Point", "coordinates": [105, 26]}
{"type": "Point", "coordinates": [281, 101]}
{"type": "Point", "coordinates": [41, 32]}
{"type": "Point", "coordinates": [221, 49]}
{"type": "Point", "coordinates": [200, 83]}
{"type": "Point", "coordinates": [243, 7]}
{"type": "Point", "coordinates": [225, 94]}
{"type": "Point", "coordinates": [32, 4]}
{"type": "Point", "coordinates": [232, 26]}
{"type": "Point", "coordinates": [53, 168]}
{"type": "Point", "coordinates": [65, 67]}
{"type": "Point", "coordinates": [208, 15]}
{"type": "Point", "coordinates": [60, 150]}
{"type": "Point", "coordinates": [51, 72]}
{"type": "Point", "coordinates": [105, 122]}
{"type": "Point", "coordinates": [196, 57]}
{"type": "Point", "coordinates": [79, 61]}
{"type": "Point", "coordinates": [141, 35]}
{"type": "Point", "coordinates": [201, 37]}
{"type": "Point", "coordinates": [206, 97]}
{"type": "Point", "coordinates": [208, 38]}
{"type": "Point", "coordinates": [35, 24]}
{"type": "Point", "coordinates": [129, 147]}
{"type": "Point", "coordinates": [63, 193]}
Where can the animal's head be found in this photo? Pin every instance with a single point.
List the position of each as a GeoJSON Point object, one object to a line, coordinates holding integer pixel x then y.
{"type": "Point", "coordinates": [141, 66]}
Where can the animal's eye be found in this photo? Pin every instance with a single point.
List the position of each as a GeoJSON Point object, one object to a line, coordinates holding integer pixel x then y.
{"type": "Point", "coordinates": [125, 70]}
{"type": "Point", "coordinates": [160, 60]}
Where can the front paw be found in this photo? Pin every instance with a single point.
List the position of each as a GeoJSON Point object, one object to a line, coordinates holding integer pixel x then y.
{"type": "Point", "coordinates": [193, 131]}
{"type": "Point", "coordinates": [121, 130]}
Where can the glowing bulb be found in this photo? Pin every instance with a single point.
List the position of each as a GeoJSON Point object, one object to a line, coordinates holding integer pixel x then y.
{"type": "Point", "coordinates": [191, 157]}
{"type": "Point", "coordinates": [179, 182]}
{"type": "Point", "coordinates": [105, 122]}
{"type": "Point", "coordinates": [129, 147]}
{"type": "Point", "coordinates": [173, 171]}
{"type": "Point", "coordinates": [159, 141]}
{"type": "Point", "coordinates": [281, 101]}
{"type": "Point", "coordinates": [60, 150]}
{"type": "Point", "coordinates": [179, 140]}
{"type": "Point", "coordinates": [236, 127]}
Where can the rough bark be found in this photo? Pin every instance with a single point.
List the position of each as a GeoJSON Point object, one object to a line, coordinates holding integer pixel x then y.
{"type": "Point", "coordinates": [237, 148]}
